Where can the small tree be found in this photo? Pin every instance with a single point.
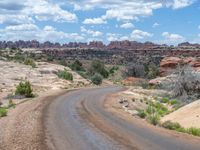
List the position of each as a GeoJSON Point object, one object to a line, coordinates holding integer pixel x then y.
{"type": "Point", "coordinates": [97, 79]}
{"type": "Point", "coordinates": [24, 89]}
{"type": "Point", "coordinates": [77, 66]}
{"type": "Point", "coordinates": [135, 70]}
{"type": "Point", "coordinates": [98, 67]}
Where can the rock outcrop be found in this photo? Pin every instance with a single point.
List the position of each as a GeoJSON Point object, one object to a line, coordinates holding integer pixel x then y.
{"type": "Point", "coordinates": [42, 78]}
{"type": "Point", "coordinates": [170, 63]}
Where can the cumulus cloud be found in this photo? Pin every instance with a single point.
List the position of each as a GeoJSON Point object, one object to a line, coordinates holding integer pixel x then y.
{"type": "Point", "coordinates": [31, 31]}
{"type": "Point", "coordinates": [113, 36]}
{"type": "Point", "coordinates": [155, 25]}
{"type": "Point", "coordinates": [15, 19]}
{"type": "Point", "coordinates": [176, 4]}
{"type": "Point", "coordinates": [128, 10]}
{"type": "Point", "coordinates": [127, 25]}
{"type": "Point", "coordinates": [94, 21]}
{"type": "Point", "coordinates": [91, 32]}
{"type": "Point", "coordinates": [135, 35]}
{"type": "Point", "coordinates": [25, 11]}
{"type": "Point", "coordinates": [172, 38]}
{"type": "Point", "coordinates": [44, 10]}
{"type": "Point", "coordinates": [139, 34]}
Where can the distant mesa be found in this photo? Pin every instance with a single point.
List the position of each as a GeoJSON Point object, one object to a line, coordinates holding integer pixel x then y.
{"type": "Point", "coordinates": [120, 45]}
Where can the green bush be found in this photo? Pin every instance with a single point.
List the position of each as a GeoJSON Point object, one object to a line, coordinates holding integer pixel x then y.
{"type": "Point", "coordinates": [170, 125]}
{"type": "Point", "coordinates": [142, 114]}
{"type": "Point", "coordinates": [173, 102]}
{"type": "Point", "coordinates": [30, 62]}
{"type": "Point", "coordinates": [63, 62]}
{"type": "Point", "coordinates": [97, 79]}
{"type": "Point", "coordinates": [194, 131]}
{"type": "Point", "coordinates": [152, 71]}
{"type": "Point", "coordinates": [113, 69]}
{"type": "Point", "coordinates": [165, 100]}
{"type": "Point", "coordinates": [176, 126]}
{"type": "Point", "coordinates": [50, 58]}
{"type": "Point", "coordinates": [153, 119]}
{"type": "Point", "coordinates": [3, 112]}
{"type": "Point", "coordinates": [65, 75]}
{"type": "Point", "coordinates": [77, 66]}
{"type": "Point", "coordinates": [98, 67]}
{"type": "Point", "coordinates": [24, 89]}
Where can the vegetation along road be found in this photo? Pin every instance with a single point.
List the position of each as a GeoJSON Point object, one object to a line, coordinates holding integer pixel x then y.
{"type": "Point", "coordinates": [79, 120]}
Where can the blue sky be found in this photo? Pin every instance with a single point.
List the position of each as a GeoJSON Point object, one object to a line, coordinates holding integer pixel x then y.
{"type": "Point", "coordinates": [159, 21]}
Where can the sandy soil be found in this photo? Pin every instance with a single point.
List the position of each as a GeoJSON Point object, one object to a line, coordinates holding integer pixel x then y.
{"type": "Point", "coordinates": [133, 99]}
{"type": "Point", "coordinates": [187, 116]}
{"type": "Point", "coordinates": [22, 128]}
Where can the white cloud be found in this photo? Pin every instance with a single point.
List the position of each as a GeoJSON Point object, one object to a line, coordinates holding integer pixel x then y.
{"type": "Point", "coordinates": [14, 12]}
{"type": "Point", "coordinates": [113, 36]}
{"type": "Point", "coordinates": [139, 34]}
{"type": "Point", "coordinates": [94, 21]}
{"type": "Point", "coordinates": [127, 25]}
{"type": "Point", "coordinates": [176, 4]}
{"type": "Point", "coordinates": [31, 31]}
{"type": "Point", "coordinates": [15, 19]}
{"type": "Point", "coordinates": [22, 27]}
{"type": "Point", "coordinates": [172, 38]}
{"type": "Point", "coordinates": [44, 10]}
{"type": "Point", "coordinates": [155, 25]}
{"type": "Point", "coordinates": [91, 32]}
{"type": "Point", "coordinates": [128, 10]}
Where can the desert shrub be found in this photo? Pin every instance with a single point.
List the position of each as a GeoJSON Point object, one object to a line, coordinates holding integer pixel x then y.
{"type": "Point", "coordinates": [30, 62]}
{"type": "Point", "coordinates": [153, 112]}
{"type": "Point", "coordinates": [142, 114]}
{"type": "Point", "coordinates": [185, 84]}
{"type": "Point", "coordinates": [98, 67]}
{"type": "Point", "coordinates": [63, 62]}
{"type": "Point", "coordinates": [151, 71]}
{"type": "Point", "coordinates": [170, 125]}
{"type": "Point", "coordinates": [3, 112]}
{"type": "Point", "coordinates": [77, 66]}
{"type": "Point", "coordinates": [65, 75]}
{"type": "Point", "coordinates": [194, 131]}
{"type": "Point", "coordinates": [97, 79]}
{"type": "Point", "coordinates": [173, 102]}
{"type": "Point", "coordinates": [153, 119]}
{"type": "Point", "coordinates": [24, 89]}
{"type": "Point", "coordinates": [165, 100]}
{"type": "Point", "coordinates": [143, 70]}
{"type": "Point", "coordinates": [113, 69]}
{"type": "Point", "coordinates": [50, 58]}
{"type": "Point", "coordinates": [135, 70]}
{"type": "Point", "coordinates": [176, 126]}
{"type": "Point", "coordinates": [19, 57]}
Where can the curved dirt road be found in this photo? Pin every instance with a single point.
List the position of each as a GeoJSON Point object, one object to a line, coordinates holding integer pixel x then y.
{"type": "Point", "coordinates": [78, 120]}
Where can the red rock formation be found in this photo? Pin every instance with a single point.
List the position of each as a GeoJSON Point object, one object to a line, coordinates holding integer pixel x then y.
{"type": "Point", "coordinates": [170, 63]}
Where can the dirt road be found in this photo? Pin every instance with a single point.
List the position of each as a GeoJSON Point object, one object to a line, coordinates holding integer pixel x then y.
{"type": "Point", "coordinates": [79, 121]}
